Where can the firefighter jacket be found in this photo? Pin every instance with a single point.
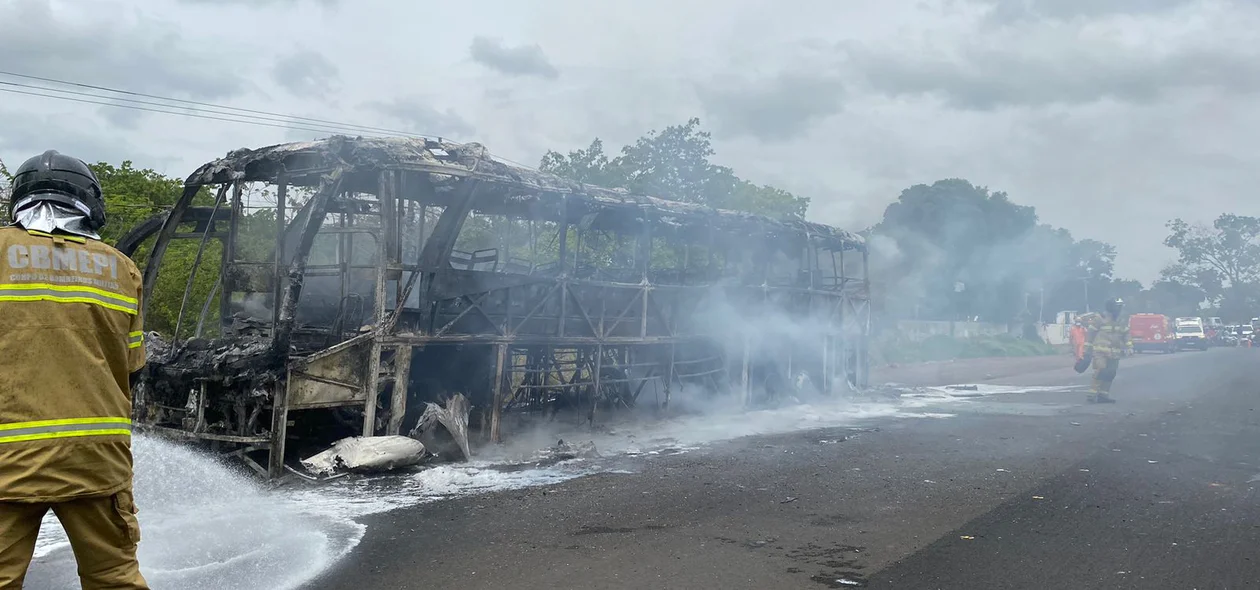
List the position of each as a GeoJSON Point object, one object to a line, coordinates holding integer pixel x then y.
{"type": "Point", "coordinates": [70, 336]}
{"type": "Point", "coordinates": [1107, 337]}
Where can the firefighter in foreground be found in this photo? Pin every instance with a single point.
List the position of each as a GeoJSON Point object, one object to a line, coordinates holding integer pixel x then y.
{"type": "Point", "coordinates": [71, 343]}
{"type": "Point", "coordinates": [1107, 341]}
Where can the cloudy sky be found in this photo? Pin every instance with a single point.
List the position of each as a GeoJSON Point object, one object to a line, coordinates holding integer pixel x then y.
{"type": "Point", "coordinates": [1110, 116]}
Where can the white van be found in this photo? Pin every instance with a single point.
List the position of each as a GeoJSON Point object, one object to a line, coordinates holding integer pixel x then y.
{"type": "Point", "coordinates": [1190, 333]}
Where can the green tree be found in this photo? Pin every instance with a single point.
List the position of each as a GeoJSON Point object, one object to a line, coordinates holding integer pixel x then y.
{"type": "Point", "coordinates": [589, 165]}
{"type": "Point", "coordinates": [6, 185]}
{"type": "Point", "coordinates": [1170, 298]}
{"type": "Point", "coordinates": [958, 246]}
{"type": "Point", "coordinates": [964, 251]}
{"type": "Point", "coordinates": [674, 164]}
{"type": "Point", "coordinates": [1230, 248]}
{"type": "Point", "coordinates": [1222, 262]}
{"type": "Point", "coordinates": [135, 194]}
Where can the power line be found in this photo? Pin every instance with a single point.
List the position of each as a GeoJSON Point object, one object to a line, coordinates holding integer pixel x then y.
{"type": "Point", "coordinates": [164, 105]}
{"type": "Point", "coordinates": [206, 104]}
{"type": "Point", "coordinates": [290, 122]}
{"type": "Point", "coordinates": [138, 108]}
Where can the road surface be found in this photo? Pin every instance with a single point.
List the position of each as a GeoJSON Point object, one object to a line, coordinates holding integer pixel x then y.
{"type": "Point", "coordinates": [1030, 490]}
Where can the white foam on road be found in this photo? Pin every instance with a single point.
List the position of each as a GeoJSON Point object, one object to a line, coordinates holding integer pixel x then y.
{"type": "Point", "coordinates": [354, 498]}
{"type": "Point", "coordinates": [947, 393]}
{"type": "Point", "coordinates": [204, 527]}
{"type": "Point", "coordinates": [207, 528]}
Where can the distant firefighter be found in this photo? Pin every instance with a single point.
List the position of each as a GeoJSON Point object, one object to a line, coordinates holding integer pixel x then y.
{"type": "Point", "coordinates": [1078, 335]}
{"type": "Point", "coordinates": [1108, 340]}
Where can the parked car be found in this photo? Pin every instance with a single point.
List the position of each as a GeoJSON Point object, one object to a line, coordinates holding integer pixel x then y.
{"type": "Point", "coordinates": [1244, 335]}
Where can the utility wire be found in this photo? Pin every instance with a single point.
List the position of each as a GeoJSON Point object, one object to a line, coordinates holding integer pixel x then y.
{"type": "Point", "coordinates": [199, 116]}
{"type": "Point", "coordinates": [206, 104]}
{"type": "Point", "coordinates": [170, 106]}
{"type": "Point", "coordinates": [291, 122]}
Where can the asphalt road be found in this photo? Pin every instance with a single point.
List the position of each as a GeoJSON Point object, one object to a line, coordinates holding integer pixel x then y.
{"type": "Point", "coordinates": [1031, 490]}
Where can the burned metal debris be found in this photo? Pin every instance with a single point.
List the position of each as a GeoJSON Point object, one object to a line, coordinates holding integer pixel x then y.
{"type": "Point", "coordinates": [366, 454]}
{"type": "Point", "coordinates": [395, 285]}
{"type": "Point", "coordinates": [444, 429]}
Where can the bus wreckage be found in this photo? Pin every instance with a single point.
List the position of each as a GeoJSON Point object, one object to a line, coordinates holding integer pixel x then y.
{"type": "Point", "coordinates": [380, 286]}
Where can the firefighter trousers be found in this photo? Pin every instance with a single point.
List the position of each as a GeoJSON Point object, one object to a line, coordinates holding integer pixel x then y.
{"type": "Point", "coordinates": [103, 534]}
{"type": "Point", "coordinates": [1104, 373]}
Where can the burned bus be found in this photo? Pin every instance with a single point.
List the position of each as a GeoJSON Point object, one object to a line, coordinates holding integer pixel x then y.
{"type": "Point", "coordinates": [359, 280]}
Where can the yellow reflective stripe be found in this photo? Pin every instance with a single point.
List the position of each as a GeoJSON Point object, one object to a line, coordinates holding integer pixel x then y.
{"type": "Point", "coordinates": [69, 434]}
{"type": "Point", "coordinates": [64, 428]}
{"type": "Point", "coordinates": [135, 339]}
{"type": "Point", "coordinates": [70, 288]}
{"type": "Point", "coordinates": [76, 239]}
{"type": "Point", "coordinates": [63, 422]}
{"type": "Point", "coordinates": [69, 294]}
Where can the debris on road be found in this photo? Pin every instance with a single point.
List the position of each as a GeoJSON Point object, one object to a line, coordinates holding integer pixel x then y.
{"type": "Point", "coordinates": [450, 444]}
{"type": "Point", "coordinates": [967, 538]}
{"type": "Point", "coordinates": [563, 451]}
{"type": "Point", "coordinates": [788, 500]}
{"type": "Point", "coordinates": [963, 387]}
{"type": "Point", "coordinates": [366, 454]}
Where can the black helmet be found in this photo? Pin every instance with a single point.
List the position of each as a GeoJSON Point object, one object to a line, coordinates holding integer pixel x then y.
{"type": "Point", "coordinates": [1115, 305]}
{"type": "Point", "coordinates": [55, 177]}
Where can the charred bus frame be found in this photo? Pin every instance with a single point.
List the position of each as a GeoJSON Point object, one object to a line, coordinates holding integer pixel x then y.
{"type": "Point", "coordinates": [611, 295]}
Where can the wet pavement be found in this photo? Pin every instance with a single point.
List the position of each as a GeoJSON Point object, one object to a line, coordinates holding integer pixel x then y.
{"type": "Point", "coordinates": [1015, 490]}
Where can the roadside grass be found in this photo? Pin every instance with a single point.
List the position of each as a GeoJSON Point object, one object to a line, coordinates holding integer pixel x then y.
{"type": "Point", "coordinates": [899, 349]}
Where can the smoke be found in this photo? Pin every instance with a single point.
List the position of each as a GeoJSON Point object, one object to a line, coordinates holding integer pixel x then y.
{"type": "Point", "coordinates": [995, 278]}
{"type": "Point", "coordinates": [791, 351]}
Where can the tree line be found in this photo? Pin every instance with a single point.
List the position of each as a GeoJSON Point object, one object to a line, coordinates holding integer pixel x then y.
{"type": "Point", "coordinates": [946, 250]}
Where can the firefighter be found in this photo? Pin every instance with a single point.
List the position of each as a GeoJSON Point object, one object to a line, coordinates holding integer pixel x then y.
{"type": "Point", "coordinates": [1107, 342]}
{"type": "Point", "coordinates": [1078, 339]}
{"type": "Point", "coordinates": [72, 346]}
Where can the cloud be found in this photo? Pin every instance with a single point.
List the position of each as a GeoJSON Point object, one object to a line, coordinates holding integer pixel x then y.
{"type": "Point", "coordinates": [1022, 10]}
{"type": "Point", "coordinates": [122, 116]}
{"type": "Point", "coordinates": [26, 134]}
{"type": "Point", "coordinates": [418, 116]}
{"type": "Point", "coordinates": [1141, 108]}
{"type": "Point", "coordinates": [1033, 66]}
{"type": "Point", "coordinates": [134, 53]}
{"type": "Point", "coordinates": [776, 109]}
{"type": "Point", "coordinates": [306, 73]}
{"type": "Point", "coordinates": [522, 60]}
{"type": "Point", "coordinates": [261, 3]}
